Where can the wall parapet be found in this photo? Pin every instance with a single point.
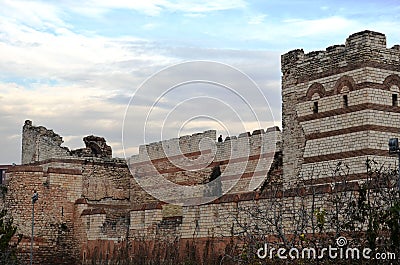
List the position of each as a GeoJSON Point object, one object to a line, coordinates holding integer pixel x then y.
{"type": "Point", "coordinates": [196, 144]}
{"type": "Point", "coordinates": [362, 48]}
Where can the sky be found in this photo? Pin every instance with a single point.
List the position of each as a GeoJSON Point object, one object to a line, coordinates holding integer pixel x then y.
{"type": "Point", "coordinates": [91, 67]}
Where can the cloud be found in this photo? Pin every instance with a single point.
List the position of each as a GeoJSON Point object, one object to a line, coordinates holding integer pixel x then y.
{"type": "Point", "coordinates": [79, 84]}
{"type": "Point", "coordinates": [77, 79]}
{"type": "Point", "coordinates": [257, 19]}
{"type": "Point", "coordinates": [155, 7]}
{"type": "Point", "coordinates": [195, 6]}
{"type": "Point", "coordinates": [62, 55]}
{"type": "Point", "coordinates": [73, 110]}
{"type": "Point", "coordinates": [94, 102]}
{"type": "Point", "coordinates": [39, 15]}
{"type": "Point", "coordinates": [314, 27]}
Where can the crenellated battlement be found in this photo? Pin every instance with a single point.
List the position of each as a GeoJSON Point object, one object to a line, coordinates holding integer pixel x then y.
{"type": "Point", "coordinates": [365, 48]}
{"type": "Point", "coordinates": [243, 162]}
{"type": "Point", "coordinates": [206, 141]}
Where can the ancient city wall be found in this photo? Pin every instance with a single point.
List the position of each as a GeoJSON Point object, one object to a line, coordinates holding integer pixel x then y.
{"type": "Point", "coordinates": [90, 206]}
{"type": "Point", "coordinates": [54, 212]}
{"type": "Point", "coordinates": [244, 161]}
{"type": "Point", "coordinates": [73, 198]}
{"type": "Point", "coordinates": [340, 105]}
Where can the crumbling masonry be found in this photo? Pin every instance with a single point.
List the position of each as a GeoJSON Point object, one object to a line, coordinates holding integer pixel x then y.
{"type": "Point", "coordinates": [339, 105]}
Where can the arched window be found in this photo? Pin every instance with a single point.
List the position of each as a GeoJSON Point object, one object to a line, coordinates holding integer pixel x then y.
{"type": "Point", "coordinates": [315, 88]}
{"type": "Point", "coordinates": [392, 83]}
{"type": "Point", "coordinates": [345, 84]}
{"type": "Point", "coordinates": [314, 93]}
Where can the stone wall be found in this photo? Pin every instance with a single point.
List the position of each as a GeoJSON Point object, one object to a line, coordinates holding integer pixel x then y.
{"type": "Point", "coordinates": [338, 106]}
{"type": "Point", "coordinates": [40, 144]}
{"type": "Point", "coordinates": [54, 211]}
{"type": "Point", "coordinates": [165, 167]}
{"type": "Point", "coordinates": [90, 205]}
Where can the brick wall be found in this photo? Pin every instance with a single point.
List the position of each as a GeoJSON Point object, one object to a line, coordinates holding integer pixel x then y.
{"type": "Point", "coordinates": [89, 207]}
{"type": "Point", "coordinates": [244, 162]}
{"type": "Point", "coordinates": [94, 208]}
{"type": "Point", "coordinates": [353, 86]}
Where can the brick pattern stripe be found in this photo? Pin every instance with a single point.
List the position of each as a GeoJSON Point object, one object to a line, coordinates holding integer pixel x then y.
{"type": "Point", "coordinates": [361, 128]}
{"type": "Point", "coordinates": [348, 154]}
{"type": "Point", "coordinates": [350, 109]}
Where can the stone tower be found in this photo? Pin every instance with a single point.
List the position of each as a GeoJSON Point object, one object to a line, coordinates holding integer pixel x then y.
{"type": "Point", "coordinates": [340, 105]}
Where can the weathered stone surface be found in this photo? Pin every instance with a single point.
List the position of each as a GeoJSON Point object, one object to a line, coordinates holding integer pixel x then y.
{"type": "Point", "coordinates": [40, 144]}
{"type": "Point", "coordinates": [353, 86]}
{"type": "Point", "coordinates": [88, 200]}
{"type": "Point", "coordinates": [92, 208]}
{"type": "Point", "coordinates": [95, 146]}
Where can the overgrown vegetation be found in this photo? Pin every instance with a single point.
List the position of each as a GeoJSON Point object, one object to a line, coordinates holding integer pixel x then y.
{"type": "Point", "coordinates": [362, 211]}
{"type": "Point", "coordinates": [365, 213]}
{"type": "Point", "coordinates": [8, 254]}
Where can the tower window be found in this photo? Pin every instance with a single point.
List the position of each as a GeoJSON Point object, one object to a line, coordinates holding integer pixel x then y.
{"type": "Point", "coordinates": [2, 175]}
{"type": "Point", "coordinates": [394, 100]}
{"type": "Point", "coordinates": [345, 101]}
{"type": "Point", "coordinates": [315, 107]}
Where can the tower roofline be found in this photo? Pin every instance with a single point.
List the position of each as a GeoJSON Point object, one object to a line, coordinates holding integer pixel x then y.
{"type": "Point", "coordinates": [365, 48]}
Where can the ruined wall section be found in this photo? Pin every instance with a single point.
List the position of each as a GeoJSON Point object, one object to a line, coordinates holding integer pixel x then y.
{"type": "Point", "coordinates": [105, 180]}
{"type": "Point", "coordinates": [84, 196]}
{"type": "Point", "coordinates": [80, 201]}
{"type": "Point", "coordinates": [39, 143]}
{"type": "Point", "coordinates": [339, 105]}
{"type": "Point", "coordinates": [219, 218]}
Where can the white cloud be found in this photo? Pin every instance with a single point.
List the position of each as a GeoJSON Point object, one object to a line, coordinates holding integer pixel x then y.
{"type": "Point", "coordinates": [155, 7]}
{"type": "Point", "coordinates": [64, 55]}
{"type": "Point", "coordinates": [303, 28]}
{"type": "Point", "coordinates": [196, 6]}
{"type": "Point", "coordinates": [290, 30]}
{"type": "Point", "coordinates": [257, 19]}
{"type": "Point", "coordinates": [96, 105]}
{"type": "Point", "coordinates": [39, 15]}
{"type": "Point", "coordinates": [75, 110]}
{"type": "Point", "coordinates": [79, 82]}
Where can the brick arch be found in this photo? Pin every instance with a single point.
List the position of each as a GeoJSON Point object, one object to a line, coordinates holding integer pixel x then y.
{"type": "Point", "coordinates": [390, 81]}
{"type": "Point", "coordinates": [342, 82]}
{"type": "Point", "coordinates": [315, 88]}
